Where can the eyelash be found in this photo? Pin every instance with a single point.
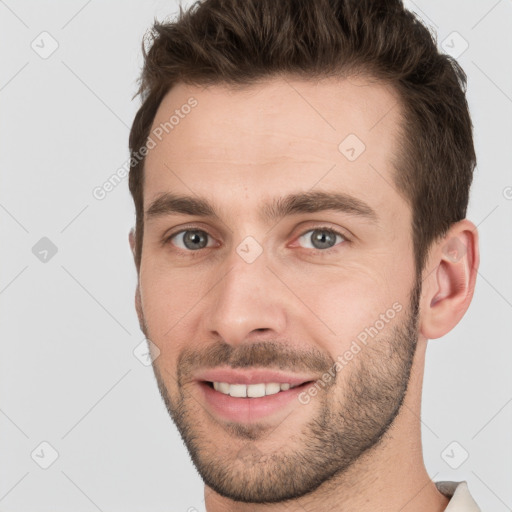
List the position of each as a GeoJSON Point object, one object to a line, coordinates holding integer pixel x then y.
{"type": "Point", "coordinates": [328, 229]}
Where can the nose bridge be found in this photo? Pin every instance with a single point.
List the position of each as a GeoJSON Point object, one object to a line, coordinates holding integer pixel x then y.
{"type": "Point", "coordinates": [248, 296]}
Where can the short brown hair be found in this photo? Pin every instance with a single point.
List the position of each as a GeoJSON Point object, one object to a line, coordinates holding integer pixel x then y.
{"type": "Point", "coordinates": [239, 42]}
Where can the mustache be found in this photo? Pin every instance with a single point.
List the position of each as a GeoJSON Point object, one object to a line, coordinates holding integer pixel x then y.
{"type": "Point", "coordinates": [267, 354]}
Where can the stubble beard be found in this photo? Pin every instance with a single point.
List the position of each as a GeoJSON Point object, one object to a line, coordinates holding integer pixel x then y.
{"type": "Point", "coordinates": [352, 416]}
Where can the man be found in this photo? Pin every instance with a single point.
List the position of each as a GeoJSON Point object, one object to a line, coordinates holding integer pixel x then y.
{"type": "Point", "coordinates": [301, 173]}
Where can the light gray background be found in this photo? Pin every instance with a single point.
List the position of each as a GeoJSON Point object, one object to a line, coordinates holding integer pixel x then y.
{"type": "Point", "coordinates": [68, 374]}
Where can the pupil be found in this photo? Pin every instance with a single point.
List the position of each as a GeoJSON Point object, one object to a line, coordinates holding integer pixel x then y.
{"type": "Point", "coordinates": [193, 238]}
{"type": "Point", "coordinates": [323, 239]}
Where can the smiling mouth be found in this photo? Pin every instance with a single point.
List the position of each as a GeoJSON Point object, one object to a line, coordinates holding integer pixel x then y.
{"type": "Point", "coordinates": [257, 390]}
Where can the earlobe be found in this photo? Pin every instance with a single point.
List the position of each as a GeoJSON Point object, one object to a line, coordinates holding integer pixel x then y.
{"type": "Point", "coordinates": [448, 289]}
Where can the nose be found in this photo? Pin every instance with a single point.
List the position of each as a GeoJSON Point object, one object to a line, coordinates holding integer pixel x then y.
{"type": "Point", "coordinates": [247, 302]}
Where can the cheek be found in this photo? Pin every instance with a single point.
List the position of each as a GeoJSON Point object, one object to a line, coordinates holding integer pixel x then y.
{"type": "Point", "coordinates": [168, 299]}
{"type": "Point", "coordinates": [347, 301]}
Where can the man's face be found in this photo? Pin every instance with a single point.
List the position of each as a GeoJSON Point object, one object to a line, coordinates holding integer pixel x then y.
{"type": "Point", "coordinates": [246, 297]}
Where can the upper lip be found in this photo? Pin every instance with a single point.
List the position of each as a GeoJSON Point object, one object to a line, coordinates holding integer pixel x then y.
{"type": "Point", "coordinates": [251, 376]}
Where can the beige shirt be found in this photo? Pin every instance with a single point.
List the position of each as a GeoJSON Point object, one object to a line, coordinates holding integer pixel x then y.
{"type": "Point", "coordinates": [460, 499]}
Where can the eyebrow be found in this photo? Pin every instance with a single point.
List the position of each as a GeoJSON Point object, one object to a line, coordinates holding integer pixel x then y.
{"type": "Point", "coordinates": [276, 209]}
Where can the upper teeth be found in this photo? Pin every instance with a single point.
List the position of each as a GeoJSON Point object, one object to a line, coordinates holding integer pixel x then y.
{"type": "Point", "coordinates": [251, 390]}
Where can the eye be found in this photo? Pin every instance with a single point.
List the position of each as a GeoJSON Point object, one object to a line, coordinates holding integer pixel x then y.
{"type": "Point", "coordinates": [321, 238]}
{"type": "Point", "coordinates": [190, 239]}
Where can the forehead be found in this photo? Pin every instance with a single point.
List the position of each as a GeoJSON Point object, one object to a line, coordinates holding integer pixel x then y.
{"type": "Point", "coordinates": [278, 136]}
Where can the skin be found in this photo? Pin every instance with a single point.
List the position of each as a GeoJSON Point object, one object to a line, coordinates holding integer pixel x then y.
{"type": "Point", "coordinates": [356, 446]}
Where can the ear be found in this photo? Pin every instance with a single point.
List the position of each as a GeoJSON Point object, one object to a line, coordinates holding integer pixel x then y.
{"type": "Point", "coordinates": [449, 280]}
{"type": "Point", "coordinates": [131, 239]}
{"type": "Point", "coordinates": [138, 301]}
{"type": "Point", "coordinates": [138, 308]}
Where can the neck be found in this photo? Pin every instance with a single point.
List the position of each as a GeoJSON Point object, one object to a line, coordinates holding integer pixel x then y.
{"type": "Point", "coordinates": [390, 477]}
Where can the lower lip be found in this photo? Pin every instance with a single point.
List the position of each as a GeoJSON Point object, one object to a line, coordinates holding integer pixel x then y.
{"type": "Point", "coordinates": [248, 410]}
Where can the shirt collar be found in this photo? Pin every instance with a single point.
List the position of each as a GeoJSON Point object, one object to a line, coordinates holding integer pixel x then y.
{"type": "Point", "coordinates": [460, 498]}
